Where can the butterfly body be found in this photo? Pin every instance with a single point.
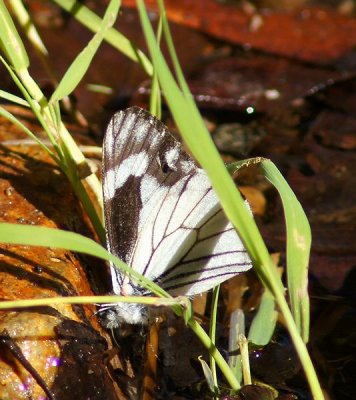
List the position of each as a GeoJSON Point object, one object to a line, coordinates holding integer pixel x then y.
{"type": "Point", "coordinates": [162, 216]}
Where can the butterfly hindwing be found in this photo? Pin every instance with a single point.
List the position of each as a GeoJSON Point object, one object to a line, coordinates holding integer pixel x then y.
{"type": "Point", "coordinates": [162, 216]}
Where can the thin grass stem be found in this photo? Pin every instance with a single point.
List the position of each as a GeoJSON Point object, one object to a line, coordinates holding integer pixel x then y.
{"type": "Point", "coordinates": [212, 332]}
{"type": "Point", "coordinates": [219, 359]}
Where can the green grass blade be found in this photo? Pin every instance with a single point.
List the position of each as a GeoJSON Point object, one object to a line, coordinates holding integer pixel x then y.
{"type": "Point", "coordinates": [298, 247]}
{"type": "Point", "coordinates": [80, 65]}
{"type": "Point", "coordinates": [172, 52]}
{"type": "Point", "coordinates": [264, 322]}
{"type": "Point", "coordinates": [236, 328]}
{"type": "Point", "coordinates": [208, 374]}
{"type": "Point", "coordinates": [212, 334]}
{"type": "Point", "coordinates": [56, 238]}
{"type": "Point", "coordinates": [102, 89]}
{"type": "Point", "coordinates": [35, 106]}
{"type": "Point", "coordinates": [13, 99]}
{"type": "Point", "coordinates": [6, 114]}
{"type": "Point", "coordinates": [192, 128]}
{"type": "Point", "coordinates": [25, 21]}
{"type": "Point", "coordinates": [116, 39]}
{"type": "Point", "coordinates": [10, 41]}
{"type": "Point", "coordinates": [66, 149]}
{"type": "Point", "coordinates": [155, 96]}
{"type": "Point", "coordinates": [148, 300]}
{"type": "Point", "coordinates": [220, 361]}
{"type": "Point", "coordinates": [298, 242]}
{"type": "Point", "coordinates": [237, 165]}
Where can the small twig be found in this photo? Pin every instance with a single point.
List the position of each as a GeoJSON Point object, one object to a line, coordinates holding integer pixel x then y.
{"type": "Point", "coordinates": [243, 343]}
{"type": "Point", "coordinates": [6, 340]}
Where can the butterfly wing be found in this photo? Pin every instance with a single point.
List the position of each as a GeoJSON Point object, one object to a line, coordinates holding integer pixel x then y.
{"type": "Point", "coordinates": [162, 216]}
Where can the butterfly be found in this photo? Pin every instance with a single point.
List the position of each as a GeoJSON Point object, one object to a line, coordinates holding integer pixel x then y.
{"type": "Point", "coordinates": [162, 216]}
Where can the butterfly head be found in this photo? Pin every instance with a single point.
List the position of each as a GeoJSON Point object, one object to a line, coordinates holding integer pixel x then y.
{"type": "Point", "coordinates": [120, 314]}
{"type": "Point", "coordinates": [116, 315]}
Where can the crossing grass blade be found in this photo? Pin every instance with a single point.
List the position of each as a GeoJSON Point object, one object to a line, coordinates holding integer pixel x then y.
{"type": "Point", "coordinates": [298, 241]}
{"type": "Point", "coordinates": [264, 322]}
{"type": "Point", "coordinates": [298, 247]}
{"type": "Point", "coordinates": [24, 19]}
{"type": "Point", "coordinates": [6, 114]}
{"type": "Point", "coordinates": [56, 238]}
{"type": "Point", "coordinates": [194, 132]}
{"type": "Point", "coordinates": [10, 41]}
{"type": "Point", "coordinates": [46, 301]}
{"type": "Point", "coordinates": [116, 39]}
{"type": "Point", "coordinates": [80, 65]}
{"type": "Point", "coordinates": [13, 98]}
{"type": "Point", "coordinates": [212, 334]}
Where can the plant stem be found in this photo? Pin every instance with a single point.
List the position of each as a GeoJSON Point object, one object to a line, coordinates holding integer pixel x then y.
{"type": "Point", "coordinates": [212, 332]}
{"type": "Point", "coordinates": [300, 346]}
{"type": "Point", "coordinates": [214, 352]}
{"type": "Point", "coordinates": [75, 156]}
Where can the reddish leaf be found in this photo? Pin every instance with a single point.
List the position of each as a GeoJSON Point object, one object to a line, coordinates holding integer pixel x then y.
{"type": "Point", "coordinates": [309, 34]}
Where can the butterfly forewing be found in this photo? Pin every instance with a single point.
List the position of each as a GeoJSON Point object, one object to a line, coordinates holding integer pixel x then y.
{"type": "Point", "coordinates": [162, 216]}
{"type": "Point", "coordinates": [136, 152]}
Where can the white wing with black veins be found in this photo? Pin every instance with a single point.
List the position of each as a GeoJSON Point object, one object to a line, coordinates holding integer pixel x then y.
{"type": "Point", "coordinates": [162, 216]}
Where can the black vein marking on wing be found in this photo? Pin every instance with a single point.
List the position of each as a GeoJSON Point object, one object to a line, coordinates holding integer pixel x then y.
{"type": "Point", "coordinates": [168, 220]}
{"type": "Point", "coordinates": [188, 270]}
{"type": "Point", "coordinates": [186, 284]}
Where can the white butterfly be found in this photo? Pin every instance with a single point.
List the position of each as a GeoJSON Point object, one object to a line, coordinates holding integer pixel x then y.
{"type": "Point", "coordinates": [162, 216]}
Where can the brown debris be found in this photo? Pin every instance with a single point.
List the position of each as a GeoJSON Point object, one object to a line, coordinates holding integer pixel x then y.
{"type": "Point", "coordinates": [310, 34]}
{"type": "Point", "coordinates": [63, 343]}
{"type": "Point", "coordinates": [335, 130]}
{"type": "Point", "coordinates": [266, 84]}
